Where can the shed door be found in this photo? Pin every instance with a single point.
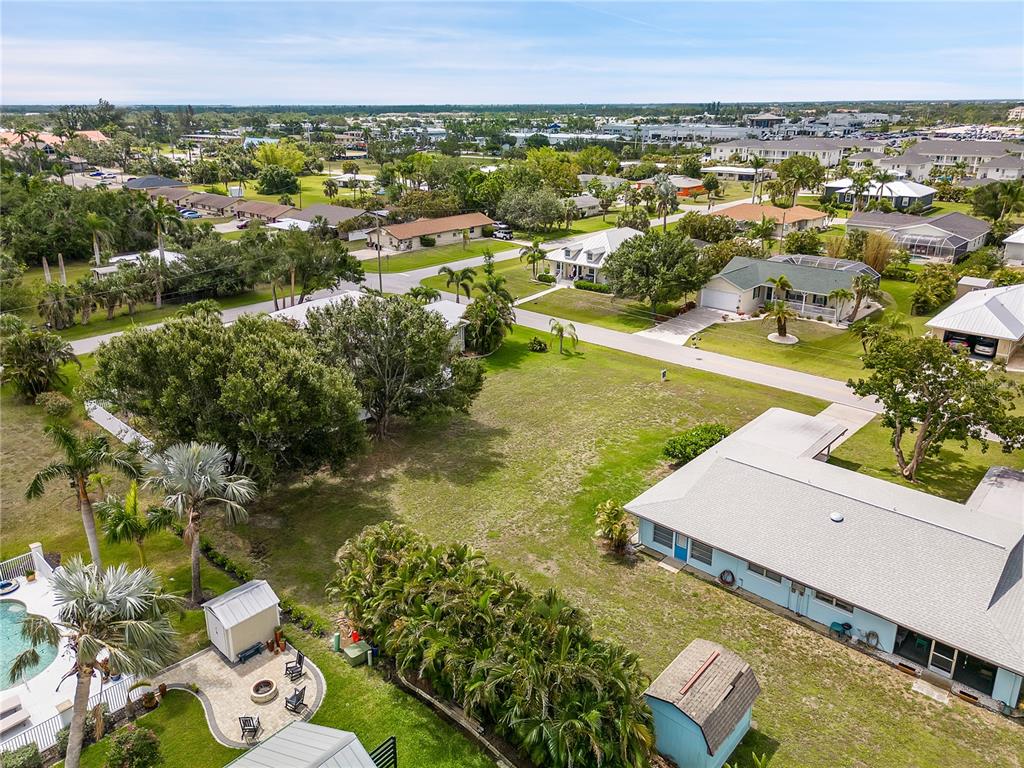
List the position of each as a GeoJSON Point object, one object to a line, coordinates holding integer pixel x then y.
{"type": "Point", "coordinates": [719, 299]}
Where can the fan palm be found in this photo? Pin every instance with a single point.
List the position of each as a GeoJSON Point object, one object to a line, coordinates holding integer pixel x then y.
{"type": "Point", "coordinates": [534, 254]}
{"type": "Point", "coordinates": [57, 305]}
{"type": "Point", "coordinates": [123, 520]}
{"type": "Point", "coordinates": [462, 279]}
{"type": "Point", "coordinates": [781, 313]}
{"type": "Point", "coordinates": [115, 617]}
{"type": "Point", "coordinates": [330, 189]}
{"type": "Point", "coordinates": [194, 478]}
{"type": "Point", "coordinates": [99, 228]}
{"type": "Point", "coordinates": [80, 458]}
{"type": "Point", "coordinates": [563, 331]}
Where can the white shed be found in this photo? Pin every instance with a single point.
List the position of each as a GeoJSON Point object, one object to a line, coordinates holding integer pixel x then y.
{"type": "Point", "coordinates": [242, 617]}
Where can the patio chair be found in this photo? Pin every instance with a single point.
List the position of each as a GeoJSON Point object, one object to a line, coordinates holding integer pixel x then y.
{"type": "Point", "coordinates": [294, 703]}
{"type": "Point", "coordinates": [250, 726]}
{"type": "Point", "coordinates": [293, 669]}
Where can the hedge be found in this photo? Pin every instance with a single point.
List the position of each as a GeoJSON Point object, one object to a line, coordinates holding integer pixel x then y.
{"type": "Point", "coordinates": [587, 285]}
{"type": "Point", "coordinates": [693, 442]}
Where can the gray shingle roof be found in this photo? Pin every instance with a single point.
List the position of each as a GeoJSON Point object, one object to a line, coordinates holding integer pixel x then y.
{"type": "Point", "coordinates": [746, 273]}
{"type": "Point", "coordinates": [716, 696]}
{"type": "Point", "coordinates": [961, 224]}
{"type": "Point", "coordinates": [304, 745]}
{"type": "Point", "coordinates": [1006, 161]}
{"type": "Point", "coordinates": [887, 220]}
{"type": "Point", "coordinates": [147, 182]}
{"type": "Point", "coordinates": [335, 214]}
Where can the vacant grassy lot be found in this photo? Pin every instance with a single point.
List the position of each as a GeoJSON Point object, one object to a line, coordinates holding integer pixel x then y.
{"type": "Point", "coordinates": [312, 191]}
{"type": "Point", "coordinates": [598, 309]}
{"type": "Point", "coordinates": [517, 273]}
{"type": "Point", "coordinates": [441, 254]}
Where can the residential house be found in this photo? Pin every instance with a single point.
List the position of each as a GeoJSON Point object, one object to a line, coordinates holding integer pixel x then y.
{"type": "Point", "coordinates": [1013, 246]}
{"type": "Point", "coordinates": [334, 214]}
{"type": "Point", "coordinates": [992, 318]}
{"type": "Point", "coordinates": [304, 745]}
{"type": "Point", "coordinates": [930, 584]}
{"type": "Point", "coordinates": [949, 237]}
{"type": "Point", "coordinates": [585, 259]}
{"type": "Point", "coordinates": [445, 231]}
{"type": "Point", "coordinates": [902, 194]}
{"type": "Point", "coordinates": [175, 195]}
{"type": "Point", "coordinates": [217, 205]}
{"type": "Point", "coordinates": [1005, 168]}
{"type": "Point", "coordinates": [150, 182]}
{"type": "Point", "coordinates": [825, 151]}
{"type": "Point", "coordinates": [266, 212]}
{"type": "Point", "coordinates": [738, 173]}
{"type": "Point", "coordinates": [909, 165]}
{"type": "Point", "coordinates": [585, 205]}
{"type": "Point", "coordinates": [126, 259]}
{"type": "Point", "coordinates": [450, 311]}
{"type": "Point", "coordinates": [795, 219]}
{"type": "Point", "coordinates": [969, 283]}
{"type": "Point", "coordinates": [685, 186]}
{"type": "Point", "coordinates": [947, 152]}
{"type": "Point", "coordinates": [702, 705]}
{"type": "Point", "coordinates": [744, 285]}
{"type": "Point", "coordinates": [861, 160]}
{"type": "Point", "coordinates": [608, 182]}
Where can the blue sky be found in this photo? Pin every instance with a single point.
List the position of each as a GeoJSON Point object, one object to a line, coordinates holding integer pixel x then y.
{"type": "Point", "coordinates": [369, 52]}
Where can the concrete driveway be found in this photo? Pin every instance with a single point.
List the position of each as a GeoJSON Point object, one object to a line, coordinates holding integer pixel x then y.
{"type": "Point", "coordinates": [679, 329]}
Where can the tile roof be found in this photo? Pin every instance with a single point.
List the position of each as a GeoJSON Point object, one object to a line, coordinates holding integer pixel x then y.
{"type": "Point", "coordinates": [889, 554]}
{"type": "Point", "coordinates": [746, 273]}
{"type": "Point", "coordinates": [241, 603]}
{"type": "Point", "coordinates": [994, 312]}
{"type": "Point", "coordinates": [753, 212]}
{"type": "Point", "coordinates": [711, 685]}
{"type": "Point", "coordinates": [422, 227]}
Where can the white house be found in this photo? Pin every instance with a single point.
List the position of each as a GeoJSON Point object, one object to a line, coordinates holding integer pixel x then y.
{"type": "Point", "coordinates": [949, 237]}
{"type": "Point", "coordinates": [1013, 246]}
{"type": "Point", "coordinates": [1005, 168]}
{"type": "Point", "coordinates": [305, 745]}
{"type": "Point", "coordinates": [825, 151]}
{"type": "Point", "coordinates": [242, 618]}
{"type": "Point", "coordinates": [584, 259]}
{"type": "Point", "coordinates": [992, 318]}
{"type": "Point", "coordinates": [134, 258]}
{"type": "Point", "coordinates": [901, 193]}
{"type": "Point", "coordinates": [445, 231]}
{"type": "Point", "coordinates": [930, 584]}
{"type": "Point", "coordinates": [585, 205]}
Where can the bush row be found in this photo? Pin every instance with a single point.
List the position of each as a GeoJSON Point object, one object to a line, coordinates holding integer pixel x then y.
{"type": "Point", "coordinates": [546, 277]}
{"type": "Point", "coordinates": [306, 618]}
{"type": "Point", "coordinates": [691, 443]}
{"type": "Point", "coordinates": [587, 285]}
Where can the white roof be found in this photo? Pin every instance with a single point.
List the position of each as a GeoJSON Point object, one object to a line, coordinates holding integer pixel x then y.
{"type": "Point", "coordinates": [593, 250]}
{"type": "Point", "coordinates": [1016, 237]}
{"type": "Point", "coordinates": [133, 258]}
{"type": "Point", "coordinates": [304, 745]}
{"type": "Point", "coordinates": [890, 555]}
{"type": "Point", "coordinates": [450, 311]}
{"type": "Point", "coordinates": [241, 603]}
{"type": "Point", "coordinates": [899, 188]}
{"type": "Point", "coordinates": [291, 224]}
{"type": "Point", "coordinates": [994, 312]}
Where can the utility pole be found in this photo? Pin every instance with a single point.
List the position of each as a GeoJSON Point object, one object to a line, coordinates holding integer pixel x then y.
{"type": "Point", "coordinates": [380, 274]}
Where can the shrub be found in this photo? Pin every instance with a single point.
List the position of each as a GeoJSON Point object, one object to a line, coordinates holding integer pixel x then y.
{"type": "Point", "coordinates": [134, 747]}
{"type": "Point", "coordinates": [537, 345]}
{"type": "Point", "coordinates": [23, 757]}
{"type": "Point", "coordinates": [693, 442]}
{"type": "Point", "coordinates": [487, 230]}
{"type": "Point", "coordinates": [587, 285]}
{"type": "Point", "coordinates": [427, 241]}
{"type": "Point", "coordinates": [614, 526]}
{"type": "Point", "coordinates": [546, 277]}
{"type": "Point", "coordinates": [88, 733]}
{"type": "Point", "coordinates": [936, 286]}
{"type": "Point", "coordinates": [55, 404]}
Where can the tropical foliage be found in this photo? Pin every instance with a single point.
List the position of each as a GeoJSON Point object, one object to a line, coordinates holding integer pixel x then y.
{"type": "Point", "coordinates": [656, 267]}
{"type": "Point", "coordinates": [525, 665]}
{"type": "Point", "coordinates": [31, 359]}
{"type": "Point", "coordinates": [691, 443]}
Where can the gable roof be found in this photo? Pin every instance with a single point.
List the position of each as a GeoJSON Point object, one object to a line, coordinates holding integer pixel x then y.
{"type": "Point", "coordinates": [897, 188]}
{"type": "Point", "coordinates": [882, 220]}
{"type": "Point", "coordinates": [422, 227]}
{"type": "Point", "coordinates": [212, 200]}
{"type": "Point", "coordinates": [583, 201]}
{"type": "Point", "coordinates": [270, 210]}
{"type": "Point", "coordinates": [889, 552]}
{"type": "Point", "coordinates": [335, 214]}
{"type": "Point", "coordinates": [994, 312]}
{"type": "Point", "coordinates": [957, 223]}
{"type": "Point", "coordinates": [753, 212]}
{"type": "Point", "coordinates": [305, 745]}
{"type": "Point", "coordinates": [241, 603]}
{"type": "Point", "coordinates": [1016, 237]}
{"type": "Point", "coordinates": [592, 251]}
{"type": "Point", "coordinates": [711, 685]}
{"type": "Point", "coordinates": [973, 148]}
{"type": "Point", "coordinates": [171, 194]}
{"type": "Point", "coordinates": [747, 273]}
{"type": "Point", "coordinates": [146, 182]}
{"type": "Point", "coordinates": [1006, 161]}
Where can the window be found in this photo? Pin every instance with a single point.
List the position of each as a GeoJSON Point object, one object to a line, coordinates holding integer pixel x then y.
{"type": "Point", "coordinates": [760, 570]}
{"type": "Point", "coordinates": [662, 535]}
{"type": "Point", "coordinates": [700, 552]}
{"type": "Point", "coordinates": [827, 598]}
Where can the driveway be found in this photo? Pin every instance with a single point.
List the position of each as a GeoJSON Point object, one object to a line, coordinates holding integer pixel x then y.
{"type": "Point", "coordinates": [679, 329]}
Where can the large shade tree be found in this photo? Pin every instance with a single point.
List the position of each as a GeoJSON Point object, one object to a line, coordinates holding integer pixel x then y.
{"type": "Point", "coordinates": [656, 267]}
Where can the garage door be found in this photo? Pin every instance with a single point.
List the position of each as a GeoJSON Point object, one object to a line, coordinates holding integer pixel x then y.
{"type": "Point", "coordinates": [719, 299]}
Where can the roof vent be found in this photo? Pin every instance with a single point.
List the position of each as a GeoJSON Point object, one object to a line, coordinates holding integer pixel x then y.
{"type": "Point", "coordinates": [836, 517]}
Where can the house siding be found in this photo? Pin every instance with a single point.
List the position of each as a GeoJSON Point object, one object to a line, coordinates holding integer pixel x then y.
{"type": "Point", "coordinates": [679, 738]}
{"type": "Point", "coordinates": [1007, 687]}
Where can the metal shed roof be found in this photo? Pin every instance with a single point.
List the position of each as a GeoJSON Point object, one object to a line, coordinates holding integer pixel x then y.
{"type": "Point", "coordinates": [304, 745]}
{"type": "Point", "coordinates": [241, 603]}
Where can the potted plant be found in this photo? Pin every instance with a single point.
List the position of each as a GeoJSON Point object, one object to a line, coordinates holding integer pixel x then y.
{"type": "Point", "coordinates": [163, 689]}
{"type": "Point", "coordinates": [277, 635]}
{"type": "Point", "coordinates": [30, 574]}
{"type": "Point", "coordinates": [149, 700]}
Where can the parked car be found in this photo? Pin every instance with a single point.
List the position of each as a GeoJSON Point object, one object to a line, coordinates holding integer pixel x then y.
{"type": "Point", "coordinates": [502, 234]}
{"type": "Point", "coordinates": [243, 224]}
{"type": "Point", "coordinates": [96, 174]}
{"type": "Point", "coordinates": [985, 348]}
{"type": "Point", "coordinates": [957, 343]}
{"type": "Point", "coordinates": [191, 215]}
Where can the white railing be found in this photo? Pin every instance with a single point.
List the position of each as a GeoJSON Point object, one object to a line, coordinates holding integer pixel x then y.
{"type": "Point", "coordinates": [44, 735]}
{"type": "Point", "coordinates": [812, 310]}
{"type": "Point", "coordinates": [16, 566]}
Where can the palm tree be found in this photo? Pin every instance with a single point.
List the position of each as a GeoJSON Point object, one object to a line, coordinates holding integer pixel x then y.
{"type": "Point", "coordinates": [494, 285]}
{"type": "Point", "coordinates": [864, 287]}
{"type": "Point", "coordinates": [839, 297]}
{"type": "Point", "coordinates": [561, 331]}
{"type": "Point", "coordinates": [757, 163]}
{"type": "Point", "coordinates": [860, 183]}
{"type": "Point", "coordinates": [57, 306]}
{"type": "Point", "coordinates": [667, 197]}
{"type": "Point", "coordinates": [534, 254]}
{"type": "Point", "coordinates": [166, 218]}
{"type": "Point", "coordinates": [781, 313]}
{"type": "Point", "coordinates": [763, 231]}
{"type": "Point", "coordinates": [423, 295]}
{"type": "Point", "coordinates": [465, 238]}
{"type": "Point", "coordinates": [462, 279]}
{"type": "Point", "coordinates": [883, 178]}
{"type": "Point", "coordinates": [1011, 198]}
{"type": "Point", "coordinates": [781, 285]}
{"type": "Point", "coordinates": [31, 359]}
{"type": "Point", "coordinates": [80, 458]}
{"type": "Point", "coordinates": [86, 294]}
{"type": "Point", "coordinates": [194, 478]}
{"type": "Point", "coordinates": [569, 215]}
{"type": "Point", "coordinates": [124, 521]}
{"type": "Point", "coordinates": [330, 189]}
{"type": "Point", "coordinates": [99, 228]}
{"type": "Point", "coordinates": [114, 616]}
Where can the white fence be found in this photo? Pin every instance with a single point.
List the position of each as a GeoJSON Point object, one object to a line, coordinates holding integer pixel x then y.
{"type": "Point", "coordinates": [44, 735]}
{"type": "Point", "coordinates": [16, 566]}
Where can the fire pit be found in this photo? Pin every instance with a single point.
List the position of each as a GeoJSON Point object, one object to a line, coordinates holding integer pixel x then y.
{"type": "Point", "coordinates": [263, 691]}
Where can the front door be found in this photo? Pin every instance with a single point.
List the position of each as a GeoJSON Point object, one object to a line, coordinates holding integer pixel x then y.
{"type": "Point", "coordinates": [680, 548]}
{"type": "Point", "coordinates": [943, 659]}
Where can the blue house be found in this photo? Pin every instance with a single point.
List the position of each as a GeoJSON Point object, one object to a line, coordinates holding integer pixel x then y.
{"type": "Point", "coordinates": [701, 704]}
{"type": "Point", "coordinates": [931, 585]}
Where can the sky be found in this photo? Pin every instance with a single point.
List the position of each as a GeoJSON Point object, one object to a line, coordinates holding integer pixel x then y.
{"type": "Point", "coordinates": [286, 52]}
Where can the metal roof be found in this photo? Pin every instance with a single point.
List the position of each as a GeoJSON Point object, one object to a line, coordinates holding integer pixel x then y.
{"type": "Point", "coordinates": [889, 556]}
{"type": "Point", "coordinates": [304, 745]}
{"type": "Point", "coordinates": [994, 312]}
{"type": "Point", "coordinates": [241, 603]}
{"type": "Point", "coordinates": [451, 312]}
{"type": "Point", "coordinates": [711, 685]}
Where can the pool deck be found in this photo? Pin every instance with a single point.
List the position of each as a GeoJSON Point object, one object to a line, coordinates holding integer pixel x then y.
{"type": "Point", "coordinates": [40, 695]}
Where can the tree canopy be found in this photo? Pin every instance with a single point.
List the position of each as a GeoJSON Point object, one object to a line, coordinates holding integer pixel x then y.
{"type": "Point", "coordinates": [656, 267]}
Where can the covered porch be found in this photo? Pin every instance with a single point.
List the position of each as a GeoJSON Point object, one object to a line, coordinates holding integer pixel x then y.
{"type": "Point", "coordinates": [945, 661]}
{"type": "Point", "coordinates": [804, 303]}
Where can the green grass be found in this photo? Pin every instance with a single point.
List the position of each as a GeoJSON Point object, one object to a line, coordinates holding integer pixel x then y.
{"type": "Point", "coordinates": [312, 191]}
{"type": "Point", "coordinates": [180, 724]}
{"type": "Point", "coordinates": [441, 254]}
{"type": "Point", "coordinates": [597, 309]}
{"type": "Point", "coordinates": [939, 208]}
{"type": "Point", "coordinates": [579, 227]}
{"type": "Point", "coordinates": [519, 278]}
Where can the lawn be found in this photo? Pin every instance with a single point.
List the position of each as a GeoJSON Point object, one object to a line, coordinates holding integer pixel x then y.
{"type": "Point", "coordinates": [442, 254]}
{"type": "Point", "coordinates": [598, 309]}
{"type": "Point", "coordinates": [312, 191]}
{"type": "Point", "coordinates": [517, 273]}
{"type": "Point", "coordinates": [579, 227]}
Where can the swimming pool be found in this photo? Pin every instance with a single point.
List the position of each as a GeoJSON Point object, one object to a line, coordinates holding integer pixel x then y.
{"type": "Point", "coordinates": [12, 643]}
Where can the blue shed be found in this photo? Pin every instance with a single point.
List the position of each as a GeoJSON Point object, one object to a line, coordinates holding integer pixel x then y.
{"type": "Point", "coordinates": [701, 704]}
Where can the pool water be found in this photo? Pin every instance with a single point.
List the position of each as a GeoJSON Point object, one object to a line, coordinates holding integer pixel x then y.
{"type": "Point", "coordinates": [12, 643]}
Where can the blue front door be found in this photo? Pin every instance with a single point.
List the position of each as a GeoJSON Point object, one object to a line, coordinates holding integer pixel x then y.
{"type": "Point", "coordinates": [680, 549]}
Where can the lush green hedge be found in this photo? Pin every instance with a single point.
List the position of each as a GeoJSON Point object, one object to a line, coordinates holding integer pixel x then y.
{"type": "Point", "coordinates": [546, 277]}
{"type": "Point", "coordinates": [693, 442]}
{"type": "Point", "coordinates": [587, 285]}
{"type": "Point", "coordinates": [525, 665]}
{"type": "Point", "coordinates": [24, 757]}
